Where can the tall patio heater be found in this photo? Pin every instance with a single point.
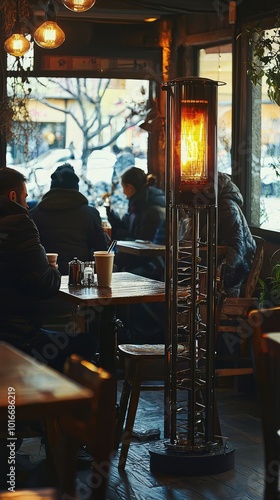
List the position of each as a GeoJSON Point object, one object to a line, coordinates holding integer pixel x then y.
{"type": "Point", "coordinates": [193, 444]}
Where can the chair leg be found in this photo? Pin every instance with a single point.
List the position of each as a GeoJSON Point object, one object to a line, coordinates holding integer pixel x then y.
{"type": "Point", "coordinates": [124, 399]}
{"type": "Point", "coordinates": [131, 413]}
{"type": "Point", "coordinates": [125, 395]}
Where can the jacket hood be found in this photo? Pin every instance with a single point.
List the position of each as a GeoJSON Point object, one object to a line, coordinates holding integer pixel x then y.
{"type": "Point", "coordinates": [155, 197]}
{"type": "Point", "coordinates": [228, 190]}
{"type": "Point", "coordinates": [8, 207]}
{"type": "Point", "coordinates": [147, 196]}
{"type": "Point", "coordinates": [61, 199]}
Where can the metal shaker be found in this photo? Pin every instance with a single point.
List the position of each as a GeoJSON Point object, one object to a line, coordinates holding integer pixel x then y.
{"type": "Point", "coordinates": [76, 272]}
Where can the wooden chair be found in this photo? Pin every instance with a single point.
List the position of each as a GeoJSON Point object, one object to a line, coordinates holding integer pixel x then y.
{"type": "Point", "coordinates": [232, 325]}
{"type": "Point", "coordinates": [95, 429]}
{"type": "Point", "coordinates": [267, 373]}
{"type": "Point", "coordinates": [141, 363]}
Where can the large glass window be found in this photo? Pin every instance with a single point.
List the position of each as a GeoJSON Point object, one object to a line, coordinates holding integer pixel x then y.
{"type": "Point", "coordinates": [89, 122]}
{"type": "Point", "coordinates": [216, 63]}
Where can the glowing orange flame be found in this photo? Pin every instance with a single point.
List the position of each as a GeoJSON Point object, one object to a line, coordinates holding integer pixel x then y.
{"type": "Point", "coordinates": [194, 123]}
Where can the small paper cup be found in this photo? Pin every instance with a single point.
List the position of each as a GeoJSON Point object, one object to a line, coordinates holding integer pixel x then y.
{"type": "Point", "coordinates": [52, 258]}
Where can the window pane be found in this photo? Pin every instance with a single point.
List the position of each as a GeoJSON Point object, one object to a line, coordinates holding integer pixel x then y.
{"type": "Point", "coordinates": [90, 123]}
{"type": "Point", "coordinates": [265, 159]}
{"type": "Point", "coordinates": [216, 63]}
{"type": "Point", "coordinates": [270, 161]}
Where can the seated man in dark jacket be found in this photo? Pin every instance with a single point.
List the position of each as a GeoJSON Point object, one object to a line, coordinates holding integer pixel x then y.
{"type": "Point", "coordinates": [27, 278]}
{"type": "Point", "coordinates": [66, 223]}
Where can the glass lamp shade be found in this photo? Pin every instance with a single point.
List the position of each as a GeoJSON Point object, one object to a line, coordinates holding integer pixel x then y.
{"type": "Point", "coordinates": [49, 35]}
{"type": "Point", "coordinates": [191, 117]}
{"type": "Point", "coordinates": [78, 5]}
{"type": "Point", "coordinates": [16, 45]}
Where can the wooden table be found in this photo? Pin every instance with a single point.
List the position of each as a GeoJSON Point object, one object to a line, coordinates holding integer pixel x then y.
{"type": "Point", "coordinates": [30, 390]}
{"type": "Point", "coordinates": [142, 249]}
{"type": "Point", "coordinates": [149, 249]}
{"type": "Point", "coordinates": [39, 390]}
{"type": "Point", "coordinates": [126, 288]}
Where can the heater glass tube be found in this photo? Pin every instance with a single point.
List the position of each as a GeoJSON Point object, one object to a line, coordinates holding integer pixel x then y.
{"type": "Point", "coordinates": [194, 143]}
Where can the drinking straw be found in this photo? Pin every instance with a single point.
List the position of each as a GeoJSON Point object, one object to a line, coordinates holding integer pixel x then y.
{"type": "Point", "coordinates": [112, 246]}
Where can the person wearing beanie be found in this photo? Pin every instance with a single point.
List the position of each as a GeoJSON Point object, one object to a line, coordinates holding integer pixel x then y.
{"type": "Point", "coordinates": [66, 223]}
{"type": "Point", "coordinates": [65, 177]}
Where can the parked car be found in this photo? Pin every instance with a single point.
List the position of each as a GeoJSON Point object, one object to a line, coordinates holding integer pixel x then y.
{"type": "Point", "coordinates": [100, 169]}
{"type": "Point", "coordinates": [39, 170]}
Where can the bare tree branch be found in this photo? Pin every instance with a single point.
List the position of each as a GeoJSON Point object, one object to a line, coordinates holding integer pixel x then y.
{"type": "Point", "coordinates": [87, 97]}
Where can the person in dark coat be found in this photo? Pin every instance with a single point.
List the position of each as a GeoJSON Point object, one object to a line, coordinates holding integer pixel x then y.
{"type": "Point", "coordinates": [26, 279]}
{"type": "Point", "coordinates": [146, 207]}
{"type": "Point", "coordinates": [66, 223]}
{"type": "Point", "coordinates": [234, 233]}
{"type": "Point", "coordinates": [146, 210]}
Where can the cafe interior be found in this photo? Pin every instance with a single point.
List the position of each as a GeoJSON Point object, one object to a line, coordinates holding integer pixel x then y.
{"type": "Point", "coordinates": [179, 418]}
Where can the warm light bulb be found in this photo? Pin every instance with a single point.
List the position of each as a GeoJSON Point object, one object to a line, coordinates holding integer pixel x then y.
{"type": "Point", "coordinates": [78, 5]}
{"type": "Point", "coordinates": [49, 35]}
{"type": "Point", "coordinates": [150, 19]}
{"type": "Point", "coordinates": [16, 45]}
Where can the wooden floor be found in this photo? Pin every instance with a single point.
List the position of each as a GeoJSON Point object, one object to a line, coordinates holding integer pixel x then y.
{"type": "Point", "coordinates": [240, 422]}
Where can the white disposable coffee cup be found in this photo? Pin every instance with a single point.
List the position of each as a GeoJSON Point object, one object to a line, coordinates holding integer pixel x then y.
{"type": "Point", "coordinates": [52, 258]}
{"type": "Point", "coordinates": [104, 267]}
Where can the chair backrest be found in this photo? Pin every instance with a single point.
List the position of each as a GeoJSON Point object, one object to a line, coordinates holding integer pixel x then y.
{"type": "Point", "coordinates": [97, 429]}
{"type": "Point", "coordinates": [92, 424]}
{"type": "Point", "coordinates": [256, 266]}
{"type": "Point", "coordinates": [103, 405]}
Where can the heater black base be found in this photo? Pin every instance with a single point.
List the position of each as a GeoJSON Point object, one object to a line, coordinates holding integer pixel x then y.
{"type": "Point", "coordinates": [163, 461]}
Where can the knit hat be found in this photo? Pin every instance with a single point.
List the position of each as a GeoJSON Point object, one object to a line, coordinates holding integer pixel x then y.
{"type": "Point", "coordinates": [65, 177]}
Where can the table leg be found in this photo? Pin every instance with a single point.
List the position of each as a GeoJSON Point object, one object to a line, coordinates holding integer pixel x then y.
{"type": "Point", "coordinates": [108, 327]}
{"type": "Point", "coordinates": [89, 319]}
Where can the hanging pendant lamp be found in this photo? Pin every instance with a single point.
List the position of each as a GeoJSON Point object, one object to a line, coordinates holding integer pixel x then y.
{"type": "Point", "coordinates": [17, 45]}
{"type": "Point", "coordinates": [49, 35]}
{"type": "Point", "coordinates": [78, 5]}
